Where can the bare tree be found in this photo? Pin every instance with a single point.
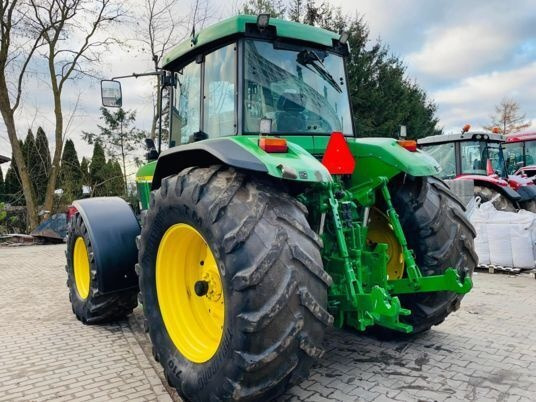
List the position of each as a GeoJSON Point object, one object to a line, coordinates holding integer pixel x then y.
{"type": "Point", "coordinates": [164, 24]}
{"type": "Point", "coordinates": [508, 118]}
{"type": "Point", "coordinates": [17, 48]}
{"type": "Point", "coordinates": [73, 44]}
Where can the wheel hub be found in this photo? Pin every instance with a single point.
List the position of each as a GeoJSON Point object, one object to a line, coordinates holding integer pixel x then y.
{"type": "Point", "coordinates": [380, 231]}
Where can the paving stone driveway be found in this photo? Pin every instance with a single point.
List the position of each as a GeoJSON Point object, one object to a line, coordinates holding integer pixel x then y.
{"type": "Point", "coordinates": [486, 351]}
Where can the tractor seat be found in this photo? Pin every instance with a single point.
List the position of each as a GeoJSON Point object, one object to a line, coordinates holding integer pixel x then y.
{"type": "Point", "coordinates": [289, 115]}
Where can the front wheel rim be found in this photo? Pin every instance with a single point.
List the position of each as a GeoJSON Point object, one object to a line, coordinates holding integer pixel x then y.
{"type": "Point", "coordinates": [190, 293]}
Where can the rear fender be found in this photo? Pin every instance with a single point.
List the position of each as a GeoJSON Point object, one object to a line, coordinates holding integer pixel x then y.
{"type": "Point", "coordinates": [112, 228]}
{"type": "Point", "coordinates": [527, 192]}
{"type": "Point", "coordinates": [384, 157]}
{"type": "Point", "coordinates": [242, 152]}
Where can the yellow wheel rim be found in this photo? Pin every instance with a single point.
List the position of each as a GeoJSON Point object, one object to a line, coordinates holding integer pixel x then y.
{"type": "Point", "coordinates": [380, 231]}
{"type": "Point", "coordinates": [193, 314]}
{"type": "Point", "coordinates": [81, 269]}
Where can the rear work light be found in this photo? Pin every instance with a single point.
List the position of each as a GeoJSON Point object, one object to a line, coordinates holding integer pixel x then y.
{"type": "Point", "coordinates": [410, 145]}
{"type": "Point", "coordinates": [338, 158]}
{"type": "Point", "coordinates": [273, 145]}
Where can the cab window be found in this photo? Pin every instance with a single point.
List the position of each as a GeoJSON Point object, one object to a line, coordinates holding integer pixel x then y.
{"type": "Point", "coordinates": [219, 96]}
{"type": "Point", "coordinates": [185, 113]}
{"type": "Point", "coordinates": [445, 156]}
{"type": "Point", "coordinates": [476, 154]}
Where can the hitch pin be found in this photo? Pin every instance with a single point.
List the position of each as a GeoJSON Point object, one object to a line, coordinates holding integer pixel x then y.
{"type": "Point", "coordinates": [366, 216]}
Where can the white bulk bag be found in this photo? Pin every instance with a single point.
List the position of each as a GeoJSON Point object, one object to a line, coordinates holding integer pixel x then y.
{"type": "Point", "coordinates": [504, 238]}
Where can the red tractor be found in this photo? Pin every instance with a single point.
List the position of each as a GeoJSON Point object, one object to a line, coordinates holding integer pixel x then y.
{"type": "Point", "coordinates": [479, 157]}
{"type": "Point", "coordinates": [521, 154]}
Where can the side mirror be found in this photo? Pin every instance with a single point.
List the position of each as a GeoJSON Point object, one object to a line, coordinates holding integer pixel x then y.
{"type": "Point", "coordinates": [152, 153]}
{"type": "Point", "coordinates": [111, 93]}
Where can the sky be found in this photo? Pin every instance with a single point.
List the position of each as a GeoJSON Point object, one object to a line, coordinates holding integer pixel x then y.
{"type": "Point", "coordinates": [466, 54]}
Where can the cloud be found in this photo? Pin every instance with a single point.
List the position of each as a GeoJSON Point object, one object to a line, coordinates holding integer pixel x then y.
{"type": "Point", "coordinates": [454, 52]}
{"type": "Point", "coordinates": [473, 99]}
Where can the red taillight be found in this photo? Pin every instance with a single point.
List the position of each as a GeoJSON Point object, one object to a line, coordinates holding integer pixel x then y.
{"type": "Point", "coordinates": [410, 145]}
{"type": "Point", "coordinates": [338, 159]}
{"type": "Point", "coordinates": [273, 145]}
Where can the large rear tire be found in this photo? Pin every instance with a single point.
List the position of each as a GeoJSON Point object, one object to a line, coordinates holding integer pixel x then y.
{"type": "Point", "coordinates": [273, 286]}
{"type": "Point", "coordinates": [440, 235]}
{"type": "Point", "coordinates": [89, 304]}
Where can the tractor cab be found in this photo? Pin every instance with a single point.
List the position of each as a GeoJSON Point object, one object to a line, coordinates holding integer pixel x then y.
{"type": "Point", "coordinates": [468, 153]}
{"type": "Point", "coordinates": [520, 154]}
{"type": "Point", "coordinates": [261, 76]}
{"type": "Point", "coordinates": [289, 77]}
{"type": "Point", "coordinates": [297, 90]}
{"type": "Point", "coordinates": [480, 157]}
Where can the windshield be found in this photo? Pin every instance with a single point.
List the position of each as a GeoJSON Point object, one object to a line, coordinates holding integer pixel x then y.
{"type": "Point", "coordinates": [302, 92]}
{"type": "Point", "coordinates": [475, 156]}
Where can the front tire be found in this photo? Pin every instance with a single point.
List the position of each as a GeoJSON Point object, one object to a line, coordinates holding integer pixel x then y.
{"type": "Point", "coordinates": [274, 288]}
{"type": "Point", "coordinates": [89, 304]}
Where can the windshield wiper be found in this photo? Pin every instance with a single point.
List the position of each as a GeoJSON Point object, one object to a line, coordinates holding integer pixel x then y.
{"type": "Point", "coordinates": [307, 57]}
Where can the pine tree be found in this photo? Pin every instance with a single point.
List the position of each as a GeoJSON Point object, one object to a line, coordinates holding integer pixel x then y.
{"type": "Point", "coordinates": [276, 8]}
{"type": "Point", "coordinates": [2, 193]}
{"type": "Point", "coordinates": [31, 158]}
{"type": "Point", "coordinates": [295, 10]}
{"type": "Point", "coordinates": [84, 172]}
{"type": "Point", "coordinates": [114, 185]}
{"type": "Point", "coordinates": [12, 187]}
{"type": "Point", "coordinates": [383, 98]}
{"type": "Point", "coordinates": [119, 136]}
{"type": "Point", "coordinates": [43, 165]}
{"type": "Point", "coordinates": [70, 177]}
{"type": "Point", "coordinates": [98, 171]}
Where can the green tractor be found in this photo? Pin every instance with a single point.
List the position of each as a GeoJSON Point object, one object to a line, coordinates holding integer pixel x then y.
{"type": "Point", "coordinates": [267, 220]}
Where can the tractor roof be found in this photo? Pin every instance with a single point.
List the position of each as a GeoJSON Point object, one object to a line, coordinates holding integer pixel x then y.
{"type": "Point", "coordinates": [473, 135]}
{"type": "Point", "coordinates": [521, 137]}
{"type": "Point", "coordinates": [241, 25]}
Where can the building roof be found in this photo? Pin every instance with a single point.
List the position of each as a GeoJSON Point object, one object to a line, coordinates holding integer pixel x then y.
{"type": "Point", "coordinates": [468, 136]}
{"type": "Point", "coordinates": [4, 159]}
{"type": "Point", "coordinates": [521, 137]}
{"type": "Point", "coordinates": [237, 25]}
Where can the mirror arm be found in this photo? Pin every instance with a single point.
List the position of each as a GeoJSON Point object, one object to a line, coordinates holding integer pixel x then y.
{"type": "Point", "coordinates": [163, 82]}
{"type": "Point", "coordinates": [136, 75]}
